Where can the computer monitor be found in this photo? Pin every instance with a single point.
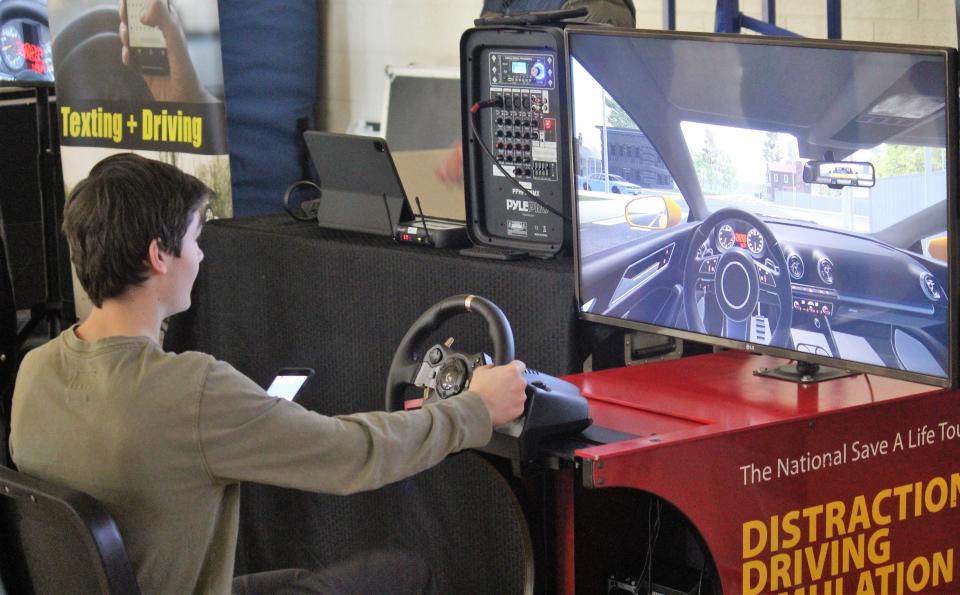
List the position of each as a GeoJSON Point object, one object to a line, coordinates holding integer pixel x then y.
{"type": "Point", "coordinates": [785, 196]}
{"type": "Point", "coordinates": [26, 56]}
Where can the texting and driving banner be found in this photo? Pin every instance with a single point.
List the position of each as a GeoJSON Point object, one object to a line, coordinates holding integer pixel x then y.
{"type": "Point", "coordinates": [143, 76]}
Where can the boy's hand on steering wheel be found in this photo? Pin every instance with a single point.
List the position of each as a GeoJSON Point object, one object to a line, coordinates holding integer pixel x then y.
{"type": "Point", "coordinates": [502, 389]}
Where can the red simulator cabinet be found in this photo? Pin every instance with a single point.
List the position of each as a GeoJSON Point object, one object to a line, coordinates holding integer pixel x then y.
{"type": "Point", "coordinates": [846, 486]}
{"type": "Point", "coordinates": [698, 466]}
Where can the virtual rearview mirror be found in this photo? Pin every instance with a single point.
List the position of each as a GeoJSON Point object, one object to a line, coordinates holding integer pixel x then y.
{"type": "Point", "coordinates": [652, 213]}
{"type": "Point", "coordinates": [838, 174]}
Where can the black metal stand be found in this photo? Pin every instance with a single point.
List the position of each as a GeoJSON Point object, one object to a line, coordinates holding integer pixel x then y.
{"type": "Point", "coordinates": [54, 312]}
{"type": "Point", "coordinates": [804, 373]}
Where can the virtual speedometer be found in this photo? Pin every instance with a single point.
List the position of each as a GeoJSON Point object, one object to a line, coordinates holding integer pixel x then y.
{"type": "Point", "coordinates": [11, 46]}
{"type": "Point", "coordinates": [825, 270]}
{"type": "Point", "coordinates": [725, 236]}
{"type": "Point", "coordinates": [754, 241]}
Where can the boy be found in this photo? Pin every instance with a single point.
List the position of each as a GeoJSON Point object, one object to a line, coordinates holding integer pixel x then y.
{"type": "Point", "coordinates": [163, 440]}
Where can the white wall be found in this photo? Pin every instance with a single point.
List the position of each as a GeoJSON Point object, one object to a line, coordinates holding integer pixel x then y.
{"type": "Point", "coordinates": [364, 36]}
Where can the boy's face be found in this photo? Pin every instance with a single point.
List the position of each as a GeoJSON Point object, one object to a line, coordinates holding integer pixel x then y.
{"type": "Point", "coordinates": [183, 269]}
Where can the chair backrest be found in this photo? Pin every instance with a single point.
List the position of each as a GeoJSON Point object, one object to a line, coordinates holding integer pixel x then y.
{"type": "Point", "coordinates": [9, 344]}
{"type": "Point", "coordinates": [58, 540]}
{"type": "Point", "coordinates": [8, 317]}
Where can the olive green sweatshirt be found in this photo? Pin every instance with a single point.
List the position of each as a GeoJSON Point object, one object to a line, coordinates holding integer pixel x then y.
{"type": "Point", "coordinates": [163, 440]}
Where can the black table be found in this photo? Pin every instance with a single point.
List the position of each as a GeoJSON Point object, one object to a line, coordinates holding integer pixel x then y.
{"type": "Point", "coordinates": [274, 292]}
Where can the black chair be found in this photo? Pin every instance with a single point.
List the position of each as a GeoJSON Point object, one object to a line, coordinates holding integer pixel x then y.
{"type": "Point", "coordinates": [9, 345]}
{"type": "Point", "coordinates": [58, 540]}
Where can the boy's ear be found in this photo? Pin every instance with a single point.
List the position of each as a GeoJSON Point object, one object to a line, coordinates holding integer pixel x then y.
{"type": "Point", "coordinates": [157, 258]}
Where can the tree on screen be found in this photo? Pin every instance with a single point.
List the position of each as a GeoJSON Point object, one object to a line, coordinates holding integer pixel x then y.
{"type": "Point", "coordinates": [714, 167]}
{"type": "Point", "coordinates": [901, 160]}
{"type": "Point", "coordinates": [617, 116]}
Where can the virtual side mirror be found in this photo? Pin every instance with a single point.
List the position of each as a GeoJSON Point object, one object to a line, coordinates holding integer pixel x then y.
{"type": "Point", "coordinates": [652, 213]}
{"type": "Point", "coordinates": [840, 174]}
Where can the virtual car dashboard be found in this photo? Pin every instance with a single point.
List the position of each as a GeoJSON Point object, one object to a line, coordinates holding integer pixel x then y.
{"type": "Point", "coordinates": [792, 286]}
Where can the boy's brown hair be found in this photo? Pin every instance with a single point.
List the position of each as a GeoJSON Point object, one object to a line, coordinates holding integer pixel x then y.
{"type": "Point", "coordinates": [111, 217]}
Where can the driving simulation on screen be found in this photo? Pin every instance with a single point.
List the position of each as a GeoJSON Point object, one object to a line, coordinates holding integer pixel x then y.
{"type": "Point", "coordinates": [774, 195]}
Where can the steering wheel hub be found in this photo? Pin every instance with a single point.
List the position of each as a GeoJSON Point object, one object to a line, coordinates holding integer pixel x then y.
{"type": "Point", "coordinates": [738, 287]}
{"type": "Point", "coordinates": [451, 378]}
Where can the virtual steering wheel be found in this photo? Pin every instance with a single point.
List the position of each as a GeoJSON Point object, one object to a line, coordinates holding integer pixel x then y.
{"type": "Point", "coordinates": [443, 371]}
{"type": "Point", "coordinates": [735, 281]}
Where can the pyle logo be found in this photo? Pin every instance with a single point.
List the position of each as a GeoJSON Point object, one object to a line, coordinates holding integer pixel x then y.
{"type": "Point", "coordinates": [518, 205]}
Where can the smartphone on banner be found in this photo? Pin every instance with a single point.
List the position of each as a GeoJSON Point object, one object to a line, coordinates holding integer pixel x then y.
{"type": "Point", "coordinates": [148, 48]}
{"type": "Point", "coordinates": [288, 382]}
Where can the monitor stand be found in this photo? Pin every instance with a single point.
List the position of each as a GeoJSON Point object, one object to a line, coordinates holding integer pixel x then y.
{"type": "Point", "coordinates": [803, 373]}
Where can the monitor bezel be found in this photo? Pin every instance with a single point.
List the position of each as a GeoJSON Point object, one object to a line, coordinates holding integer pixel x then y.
{"type": "Point", "coordinates": [949, 56]}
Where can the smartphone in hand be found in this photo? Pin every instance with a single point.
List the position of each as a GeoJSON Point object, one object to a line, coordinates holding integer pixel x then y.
{"type": "Point", "coordinates": [148, 48]}
{"type": "Point", "coordinates": [288, 382]}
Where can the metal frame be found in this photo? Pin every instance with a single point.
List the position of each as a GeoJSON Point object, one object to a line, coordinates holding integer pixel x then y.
{"type": "Point", "coordinates": [729, 18]}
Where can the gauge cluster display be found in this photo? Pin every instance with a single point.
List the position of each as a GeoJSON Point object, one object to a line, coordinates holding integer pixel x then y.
{"type": "Point", "coordinates": [738, 234]}
{"type": "Point", "coordinates": [26, 54]}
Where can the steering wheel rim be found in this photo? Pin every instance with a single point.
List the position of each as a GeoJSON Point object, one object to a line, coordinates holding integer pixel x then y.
{"type": "Point", "coordinates": [88, 64]}
{"type": "Point", "coordinates": [406, 361]}
{"type": "Point", "coordinates": [735, 259]}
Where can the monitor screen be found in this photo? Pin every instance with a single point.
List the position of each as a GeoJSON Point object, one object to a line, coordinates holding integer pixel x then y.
{"type": "Point", "coordinates": [26, 57]}
{"type": "Point", "coordinates": [792, 197]}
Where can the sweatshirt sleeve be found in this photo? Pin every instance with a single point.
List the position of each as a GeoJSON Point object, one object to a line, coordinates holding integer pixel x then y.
{"type": "Point", "coordinates": [245, 435]}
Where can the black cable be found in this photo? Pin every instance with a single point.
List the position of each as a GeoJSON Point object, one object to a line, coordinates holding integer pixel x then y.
{"type": "Point", "coordinates": [305, 215]}
{"type": "Point", "coordinates": [869, 387]}
{"type": "Point", "coordinates": [653, 534]}
{"type": "Point", "coordinates": [474, 129]}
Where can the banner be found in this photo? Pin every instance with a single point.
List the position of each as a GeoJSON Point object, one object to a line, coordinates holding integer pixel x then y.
{"type": "Point", "coordinates": [143, 76]}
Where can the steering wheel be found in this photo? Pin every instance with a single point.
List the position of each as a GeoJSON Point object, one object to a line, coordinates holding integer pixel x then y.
{"type": "Point", "coordinates": [441, 370]}
{"type": "Point", "coordinates": [735, 281]}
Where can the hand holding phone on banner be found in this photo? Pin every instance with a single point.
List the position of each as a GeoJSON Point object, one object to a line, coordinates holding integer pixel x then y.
{"type": "Point", "coordinates": [147, 48]}
{"type": "Point", "coordinates": [153, 41]}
